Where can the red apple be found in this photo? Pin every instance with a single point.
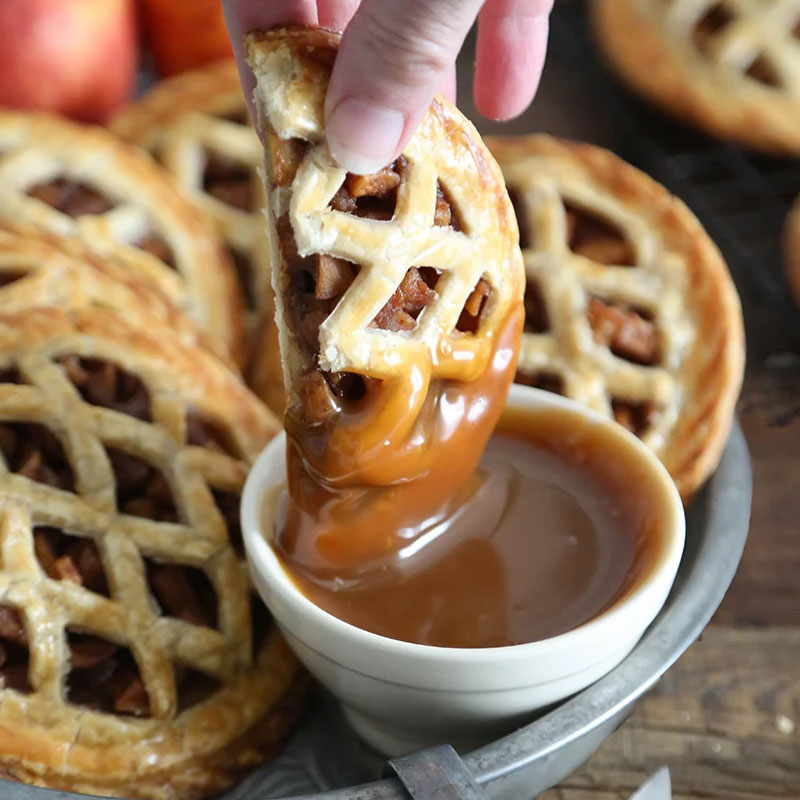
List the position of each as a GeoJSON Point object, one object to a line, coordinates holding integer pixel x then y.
{"type": "Point", "coordinates": [185, 34]}
{"type": "Point", "coordinates": [72, 57]}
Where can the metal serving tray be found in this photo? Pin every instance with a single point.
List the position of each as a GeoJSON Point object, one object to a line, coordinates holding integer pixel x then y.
{"type": "Point", "coordinates": [325, 761]}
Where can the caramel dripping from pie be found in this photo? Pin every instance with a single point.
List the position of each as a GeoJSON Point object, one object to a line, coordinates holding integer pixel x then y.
{"type": "Point", "coordinates": [353, 459]}
{"type": "Point", "coordinates": [372, 455]}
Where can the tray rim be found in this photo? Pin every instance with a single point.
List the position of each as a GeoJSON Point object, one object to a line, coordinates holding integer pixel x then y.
{"type": "Point", "coordinates": [707, 569]}
{"type": "Point", "coordinates": [700, 587]}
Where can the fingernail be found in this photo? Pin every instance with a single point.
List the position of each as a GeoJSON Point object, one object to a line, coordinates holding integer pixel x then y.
{"type": "Point", "coordinates": [363, 137]}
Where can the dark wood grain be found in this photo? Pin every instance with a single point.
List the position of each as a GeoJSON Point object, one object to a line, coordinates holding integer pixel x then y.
{"type": "Point", "coordinates": [725, 720]}
{"type": "Point", "coordinates": [766, 590]}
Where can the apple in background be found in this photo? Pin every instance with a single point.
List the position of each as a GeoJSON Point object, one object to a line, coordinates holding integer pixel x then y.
{"type": "Point", "coordinates": [185, 34]}
{"type": "Point", "coordinates": [72, 57]}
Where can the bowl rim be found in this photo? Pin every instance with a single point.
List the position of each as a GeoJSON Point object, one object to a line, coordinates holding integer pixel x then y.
{"type": "Point", "coordinates": [635, 604]}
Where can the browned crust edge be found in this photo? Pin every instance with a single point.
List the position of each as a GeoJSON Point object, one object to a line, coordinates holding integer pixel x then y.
{"type": "Point", "coordinates": [696, 443]}
{"type": "Point", "coordinates": [203, 775]}
{"type": "Point", "coordinates": [758, 118]}
{"type": "Point", "coordinates": [138, 121]}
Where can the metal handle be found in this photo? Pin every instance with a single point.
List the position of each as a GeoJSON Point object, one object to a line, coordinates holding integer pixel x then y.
{"type": "Point", "coordinates": [437, 773]}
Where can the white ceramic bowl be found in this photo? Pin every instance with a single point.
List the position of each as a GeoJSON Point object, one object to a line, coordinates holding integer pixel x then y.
{"type": "Point", "coordinates": [401, 696]}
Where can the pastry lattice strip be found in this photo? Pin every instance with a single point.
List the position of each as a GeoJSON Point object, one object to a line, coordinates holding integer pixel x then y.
{"type": "Point", "coordinates": [752, 37]}
{"type": "Point", "coordinates": [78, 181]}
{"type": "Point", "coordinates": [196, 124]}
{"type": "Point", "coordinates": [568, 281]}
{"type": "Point", "coordinates": [44, 395]}
{"type": "Point", "coordinates": [384, 250]}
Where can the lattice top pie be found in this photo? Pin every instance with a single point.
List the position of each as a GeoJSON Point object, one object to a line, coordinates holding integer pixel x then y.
{"type": "Point", "coordinates": [79, 181]}
{"type": "Point", "coordinates": [629, 306]}
{"type": "Point", "coordinates": [134, 660]}
{"type": "Point", "coordinates": [730, 66]}
{"type": "Point", "coordinates": [198, 127]}
{"type": "Point", "coordinates": [412, 269]}
{"type": "Point", "coordinates": [42, 269]}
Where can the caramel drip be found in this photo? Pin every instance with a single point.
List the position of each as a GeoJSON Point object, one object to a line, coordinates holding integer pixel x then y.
{"type": "Point", "coordinates": [374, 475]}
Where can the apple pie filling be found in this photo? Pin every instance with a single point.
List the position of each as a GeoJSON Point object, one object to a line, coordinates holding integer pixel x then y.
{"type": "Point", "coordinates": [228, 181]}
{"type": "Point", "coordinates": [34, 451]}
{"type": "Point", "coordinates": [78, 199]}
{"type": "Point", "coordinates": [9, 276]}
{"type": "Point", "coordinates": [102, 383]}
{"type": "Point", "coordinates": [71, 197]}
{"type": "Point", "coordinates": [64, 557]}
{"type": "Point", "coordinates": [597, 239]}
{"type": "Point", "coordinates": [13, 651]}
{"type": "Point", "coordinates": [636, 417]}
{"type": "Point", "coordinates": [183, 592]}
{"type": "Point", "coordinates": [10, 374]}
{"type": "Point", "coordinates": [629, 333]}
{"type": "Point", "coordinates": [318, 282]}
{"type": "Point", "coordinates": [104, 676]}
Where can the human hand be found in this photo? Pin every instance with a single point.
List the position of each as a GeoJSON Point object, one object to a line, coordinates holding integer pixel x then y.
{"type": "Point", "coordinates": [396, 54]}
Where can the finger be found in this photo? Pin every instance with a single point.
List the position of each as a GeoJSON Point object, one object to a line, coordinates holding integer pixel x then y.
{"type": "Point", "coordinates": [449, 88]}
{"type": "Point", "coordinates": [335, 14]}
{"type": "Point", "coordinates": [243, 16]}
{"type": "Point", "coordinates": [512, 40]}
{"type": "Point", "coordinates": [393, 58]}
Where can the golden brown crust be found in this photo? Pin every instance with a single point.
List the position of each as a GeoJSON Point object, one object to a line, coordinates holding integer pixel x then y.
{"type": "Point", "coordinates": [649, 43]}
{"type": "Point", "coordinates": [169, 753]}
{"type": "Point", "coordinates": [36, 149]}
{"type": "Point", "coordinates": [212, 91]}
{"type": "Point", "coordinates": [678, 276]}
{"type": "Point", "coordinates": [186, 122]}
{"type": "Point", "coordinates": [38, 268]}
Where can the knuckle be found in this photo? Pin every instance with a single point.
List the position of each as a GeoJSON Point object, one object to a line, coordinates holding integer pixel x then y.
{"type": "Point", "coordinates": [414, 51]}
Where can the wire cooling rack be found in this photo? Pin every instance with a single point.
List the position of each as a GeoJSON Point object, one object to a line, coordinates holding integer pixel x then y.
{"type": "Point", "coordinates": [740, 197]}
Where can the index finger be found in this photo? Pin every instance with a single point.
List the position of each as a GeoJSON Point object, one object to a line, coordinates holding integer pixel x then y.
{"type": "Point", "coordinates": [243, 16]}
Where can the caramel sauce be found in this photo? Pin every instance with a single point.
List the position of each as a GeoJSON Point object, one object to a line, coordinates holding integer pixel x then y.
{"type": "Point", "coordinates": [541, 538]}
{"type": "Point", "coordinates": [365, 484]}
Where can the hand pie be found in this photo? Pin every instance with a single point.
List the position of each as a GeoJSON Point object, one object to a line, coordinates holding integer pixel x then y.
{"type": "Point", "coordinates": [80, 181]}
{"type": "Point", "coordinates": [731, 67]}
{"type": "Point", "coordinates": [135, 661]}
{"type": "Point", "coordinates": [41, 269]}
{"type": "Point", "coordinates": [629, 306]}
{"type": "Point", "coordinates": [197, 126]}
{"type": "Point", "coordinates": [384, 282]}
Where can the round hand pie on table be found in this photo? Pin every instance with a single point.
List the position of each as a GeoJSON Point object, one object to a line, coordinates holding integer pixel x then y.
{"type": "Point", "coordinates": [135, 659]}
{"type": "Point", "coordinates": [197, 125]}
{"type": "Point", "coordinates": [75, 180]}
{"type": "Point", "coordinates": [42, 269]}
{"type": "Point", "coordinates": [731, 67]}
{"type": "Point", "coordinates": [629, 306]}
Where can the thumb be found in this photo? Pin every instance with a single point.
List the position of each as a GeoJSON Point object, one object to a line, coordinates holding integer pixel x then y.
{"type": "Point", "coordinates": [393, 58]}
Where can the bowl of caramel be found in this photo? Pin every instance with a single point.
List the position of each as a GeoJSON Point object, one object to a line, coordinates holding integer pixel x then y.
{"type": "Point", "coordinates": [555, 558]}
